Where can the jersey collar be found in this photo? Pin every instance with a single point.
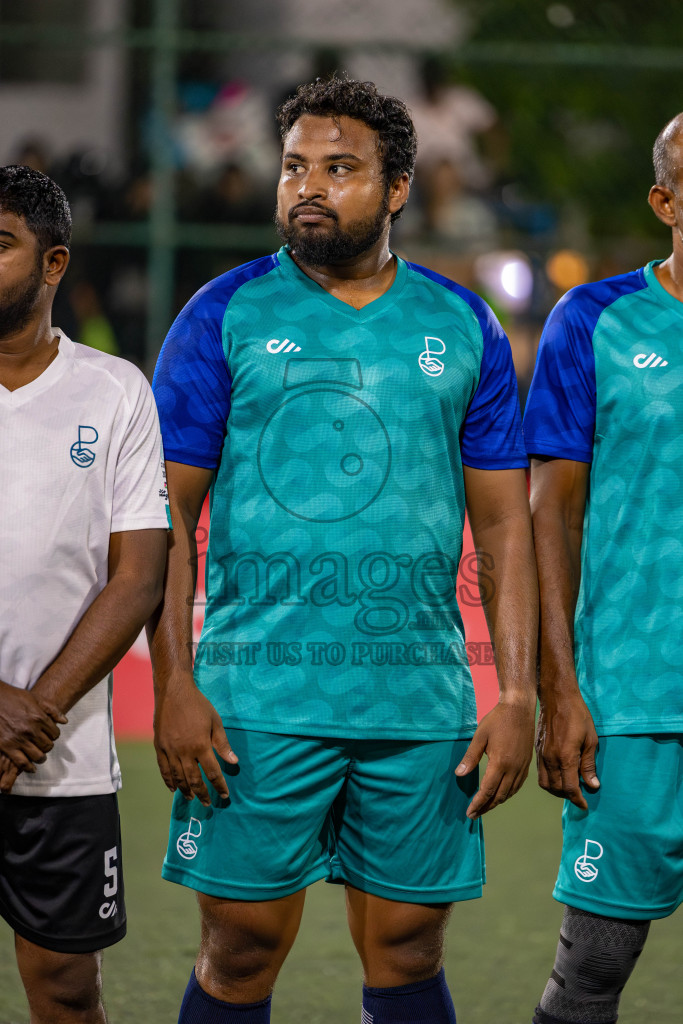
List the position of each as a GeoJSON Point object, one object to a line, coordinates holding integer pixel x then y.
{"type": "Point", "coordinates": [373, 309]}
{"type": "Point", "coordinates": [47, 378]}
{"type": "Point", "coordinates": [658, 289]}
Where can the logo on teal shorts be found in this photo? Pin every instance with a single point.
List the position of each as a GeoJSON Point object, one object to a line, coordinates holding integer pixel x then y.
{"type": "Point", "coordinates": [584, 868]}
{"type": "Point", "coordinates": [186, 845]}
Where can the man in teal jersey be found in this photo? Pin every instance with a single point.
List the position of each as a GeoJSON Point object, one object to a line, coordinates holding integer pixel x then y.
{"type": "Point", "coordinates": [342, 406]}
{"type": "Point", "coordinates": [604, 427]}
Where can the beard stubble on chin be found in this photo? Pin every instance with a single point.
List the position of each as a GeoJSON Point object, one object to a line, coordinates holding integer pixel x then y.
{"type": "Point", "coordinates": [18, 304]}
{"type": "Point", "coordinates": [317, 246]}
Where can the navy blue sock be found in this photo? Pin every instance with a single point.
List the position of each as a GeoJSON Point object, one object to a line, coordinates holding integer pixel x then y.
{"type": "Point", "coordinates": [428, 1001]}
{"type": "Point", "coordinates": [198, 1007]}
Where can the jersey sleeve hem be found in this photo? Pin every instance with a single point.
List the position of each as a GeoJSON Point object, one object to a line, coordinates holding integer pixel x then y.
{"type": "Point", "coordinates": [189, 458]}
{"type": "Point", "coordinates": [556, 452]}
{"type": "Point", "coordinates": [155, 522]}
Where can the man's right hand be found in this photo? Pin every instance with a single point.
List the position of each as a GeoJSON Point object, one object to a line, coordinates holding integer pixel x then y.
{"type": "Point", "coordinates": [188, 733]}
{"type": "Point", "coordinates": [28, 727]}
{"type": "Point", "coordinates": [566, 742]}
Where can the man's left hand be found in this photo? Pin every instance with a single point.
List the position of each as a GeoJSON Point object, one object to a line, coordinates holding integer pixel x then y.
{"type": "Point", "coordinates": [506, 736]}
{"type": "Point", "coordinates": [8, 774]}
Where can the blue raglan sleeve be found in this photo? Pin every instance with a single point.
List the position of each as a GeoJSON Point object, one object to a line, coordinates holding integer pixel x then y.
{"type": "Point", "coordinates": [559, 418]}
{"type": "Point", "coordinates": [192, 382]}
{"type": "Point", "coordinates": [491, 436]}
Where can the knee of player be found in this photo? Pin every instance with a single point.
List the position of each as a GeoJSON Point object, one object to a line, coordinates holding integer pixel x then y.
{"type": "Point", "coordinates": [595, 957]}
{"type": "Point", "coordinates": [219, 970]}
{"type": "Point", "coordinates": [605, 972]}
{"type": "Point", "coordinates": [412, 963]}
{"type": "Point", "coordinates": [246, 957]}
{"type": "Point", "coordinates": [410, 957]}
{"type": "Point", "coordinates": [71, 982]}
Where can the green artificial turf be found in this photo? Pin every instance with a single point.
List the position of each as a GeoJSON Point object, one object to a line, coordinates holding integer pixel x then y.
{"type": "Point", "coordinates": [500, 949]}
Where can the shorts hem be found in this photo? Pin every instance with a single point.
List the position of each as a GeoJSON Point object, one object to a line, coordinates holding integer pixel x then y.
{"type": "Point", "coordinates": [230, 891]}
{"type": "Point", "coordinates": [67, 789]}
{"type": "Point", "coordinates": [618, 910]}
{"type": "Point", "coordinates": [455, 894]}
{"type": "Point", "coordinates": [91, 944]}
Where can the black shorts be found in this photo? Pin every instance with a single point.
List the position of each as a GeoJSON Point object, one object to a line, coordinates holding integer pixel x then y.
{"type": "Point", "coordinates": [61, 881]}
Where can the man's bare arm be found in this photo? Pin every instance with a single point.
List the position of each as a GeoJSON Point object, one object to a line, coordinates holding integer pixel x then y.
{"type": "Point", "coordinates": [566, 740]}
{"type": "Point", "coordinates": [187, 728]}
{"type": "Point", "coordinates": [108, 627]}
{"type": "Point", "coordinates": [498, 509]}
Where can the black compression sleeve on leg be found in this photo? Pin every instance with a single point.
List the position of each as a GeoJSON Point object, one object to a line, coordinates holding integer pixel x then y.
{"type": "Point", "coordinates": [595, 957]}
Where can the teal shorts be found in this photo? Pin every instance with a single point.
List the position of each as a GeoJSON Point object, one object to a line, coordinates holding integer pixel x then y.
{"type": "Point", "coordinates": [623, 857]}
{"type": "Point", "coordinates": [386, 817]}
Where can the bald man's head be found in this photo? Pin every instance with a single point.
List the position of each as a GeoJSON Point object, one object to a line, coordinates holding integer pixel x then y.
{"type": "Point", "coordinates": [665, 154]}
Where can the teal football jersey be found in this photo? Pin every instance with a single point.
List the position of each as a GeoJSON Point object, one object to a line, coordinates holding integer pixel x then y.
{"type": "Point", "coordinates": [608, 389]}
{"type": "Point", "coordinates": [337, 438]}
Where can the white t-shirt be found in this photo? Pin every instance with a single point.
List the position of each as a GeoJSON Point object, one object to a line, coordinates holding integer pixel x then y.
{"type": "Point", "coordinates": [80, 459]}
{"type": "Point", "coordinates": [446, 130]}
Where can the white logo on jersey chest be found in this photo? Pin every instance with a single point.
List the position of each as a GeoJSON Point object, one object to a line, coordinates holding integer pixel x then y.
{"type": "Point", "coordinates": [275, 346]}
{"type": "Point", "coordinates": [427, 360]}
{"type": "Point", "coordinates": [642, 361]}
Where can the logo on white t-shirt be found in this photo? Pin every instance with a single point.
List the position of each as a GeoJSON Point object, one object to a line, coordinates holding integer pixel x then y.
{"type": "Point", "coordinates": [81, 455]}
{"type": "Point", "coordinates": [584, 868]}
{"type": "Point", "coordinates": [429, 364]}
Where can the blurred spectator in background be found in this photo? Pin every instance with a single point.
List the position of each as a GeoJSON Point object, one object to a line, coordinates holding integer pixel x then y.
{"type": "Point", "coordinates": [231, 196]}
{"type": "Point", "coordinates": [131, 198]}
{"type": "Point", "coordinates": [83, 174]}
{"type": "Point", "coordinates": [33, 152]}
{"type": "Point", "coordinates": [93, 327]}
{"type": "Point", "coordinates": [235, 128]}
{"type": "Point", "coordinates": [461, 149]}
{"type": "Point", "coordinates": [455, 122]}
{"type": "Point", "coordinates": [455, 213]}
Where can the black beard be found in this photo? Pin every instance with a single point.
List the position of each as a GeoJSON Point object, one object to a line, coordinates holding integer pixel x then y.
{"type": "Point", "coordinates": [18, 304]}
{"type": "Point", "coordinates": [318, 247]}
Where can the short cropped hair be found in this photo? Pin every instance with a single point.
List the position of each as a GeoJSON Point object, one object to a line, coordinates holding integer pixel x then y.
{"type": "Point", "coordinates": [664, 157]}
{"type": "Point", "coordinates": [39, 201]}
{"type": "Point", "coordinates": [342, 97]}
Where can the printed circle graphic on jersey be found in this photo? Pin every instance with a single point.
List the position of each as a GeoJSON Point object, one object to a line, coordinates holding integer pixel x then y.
{"type": "Point", "coordinates": [324, 455]}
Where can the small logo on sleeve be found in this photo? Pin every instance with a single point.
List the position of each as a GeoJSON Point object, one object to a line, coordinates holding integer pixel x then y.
{"type": "Point", "coordinates": [81, 454]}
{"type": "Point", "coordinates": [163, 490]}
{"type": "Point", "coordinates": [429, 364]}
{"type": "Point", "coordinates": [642, 361]}
{"type": "Point", "coordinates": [584, 867]}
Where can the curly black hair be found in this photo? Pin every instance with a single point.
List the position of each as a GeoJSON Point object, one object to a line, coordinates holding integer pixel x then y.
{"type": "Point", "coordinates": [39, 201]}
{"type": "Point", "coordinates": [338, 97]}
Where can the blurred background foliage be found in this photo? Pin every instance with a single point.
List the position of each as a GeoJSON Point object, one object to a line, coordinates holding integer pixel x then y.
{"type": "Point", "coordinates": [582, 88]}
{"type": "Point", "coordinates": [157, 120]}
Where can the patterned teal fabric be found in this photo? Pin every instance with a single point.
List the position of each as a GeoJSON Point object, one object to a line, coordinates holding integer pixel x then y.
{"type": "Point", "coordinates": [338, 502]}
{"type": "Point", "coordinates": [627, 335]}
